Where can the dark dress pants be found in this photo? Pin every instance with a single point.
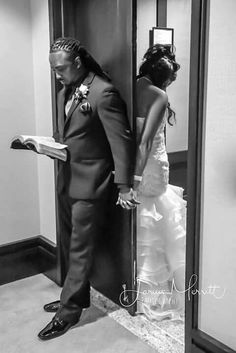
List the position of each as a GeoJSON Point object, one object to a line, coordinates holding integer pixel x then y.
{"type": "Point", "coordinates": [80, 222]}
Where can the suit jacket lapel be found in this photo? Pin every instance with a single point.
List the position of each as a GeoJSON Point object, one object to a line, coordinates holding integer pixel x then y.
{"type": "Point", "coordinates": [87, 82]}
{"type": "Point", "coordinates": [61, 110]}
{"type": "Point", "coordinates": [72, 108]}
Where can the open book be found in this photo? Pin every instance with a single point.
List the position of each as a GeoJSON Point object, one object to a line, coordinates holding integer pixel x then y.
{"type": "Point", "coordinates": [40, 144]}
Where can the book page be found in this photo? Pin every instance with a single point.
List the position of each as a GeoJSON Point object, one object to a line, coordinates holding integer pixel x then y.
{"type": "Point", "coordinates": [37, 138]}
{"type": "Point", "coordinates": [41, 140]}
{"type": "Point", "coordinates": [52, 144]}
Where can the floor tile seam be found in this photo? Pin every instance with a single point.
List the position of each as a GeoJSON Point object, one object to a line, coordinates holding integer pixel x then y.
{"type": "Point", "coordinates": [180, 336]}
{"type": "Point", "coordinates": [156, 326]}
{"type": "Point", "coordinates": [113, 315]}
{"type": "Point", "coordinates": [168, 334]}
{"type": "Point", "coordinates": [113, 309]}
{"type": "Point", "coordinates": [132, 326]}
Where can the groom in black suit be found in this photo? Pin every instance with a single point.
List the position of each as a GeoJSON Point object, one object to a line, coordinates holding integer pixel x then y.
{"type": "Point", "coordinates": [92, 121]}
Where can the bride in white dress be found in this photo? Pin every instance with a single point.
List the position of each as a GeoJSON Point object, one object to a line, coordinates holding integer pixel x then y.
{"type": "Point", "coordinates": [161, 229]}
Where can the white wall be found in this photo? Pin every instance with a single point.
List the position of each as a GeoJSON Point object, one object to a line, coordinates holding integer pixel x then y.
{"type": "Point", "coordinates": [218, 240]}
{"type": "Point", "coordinates": [43, 114]}
{"type": "Point", "coordinates": [146, 19]}
{"type": "Point", "coordinates": [19, 206]}
{"type": "Point", "coordinates": [179, 18]}
{"type": "Point", "coordinates": [25, 179]}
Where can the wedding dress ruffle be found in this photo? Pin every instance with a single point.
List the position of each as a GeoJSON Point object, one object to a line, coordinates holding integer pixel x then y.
{"type": "Point", "coordinates": [161, 233]}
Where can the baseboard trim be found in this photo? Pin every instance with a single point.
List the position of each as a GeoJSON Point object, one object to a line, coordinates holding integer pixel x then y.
{"type": "Point", "coordinates": [27, 258]}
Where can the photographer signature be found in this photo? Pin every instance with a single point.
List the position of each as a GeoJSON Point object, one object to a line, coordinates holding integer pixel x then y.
{"type": "Point", "coordinates": [216, 291]}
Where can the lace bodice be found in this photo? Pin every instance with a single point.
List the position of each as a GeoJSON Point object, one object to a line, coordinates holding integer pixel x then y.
{"type": "Point", "coordinates": [158, 150]}
{"type": "Point", "coordinates": [156, 172]}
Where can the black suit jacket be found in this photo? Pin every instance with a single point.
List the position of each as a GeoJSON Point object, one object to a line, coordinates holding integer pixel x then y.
{"type": "Point", "coordinates": [99, 142]}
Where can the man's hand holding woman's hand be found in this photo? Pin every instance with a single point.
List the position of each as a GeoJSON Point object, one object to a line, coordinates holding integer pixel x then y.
{"type": "Point", "coordinates": [128, 200]}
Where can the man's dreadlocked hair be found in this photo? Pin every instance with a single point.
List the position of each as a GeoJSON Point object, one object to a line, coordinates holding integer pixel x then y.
{"type": "Point", "coordinates": [74, 48]}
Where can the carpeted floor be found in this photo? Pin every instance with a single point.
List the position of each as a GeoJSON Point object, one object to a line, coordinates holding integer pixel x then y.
{"type": "Point", "coordinates": [98, 331]}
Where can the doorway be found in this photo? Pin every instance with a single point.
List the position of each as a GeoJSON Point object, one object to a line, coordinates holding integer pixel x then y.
{"type": "Point", "coordinates": [188, 19]}
{"type": "Point", "coordinates": [175, 18]}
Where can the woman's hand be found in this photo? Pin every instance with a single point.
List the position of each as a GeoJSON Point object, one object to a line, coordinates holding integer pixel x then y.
{"type": "Point", "coordinates": [128, 200]}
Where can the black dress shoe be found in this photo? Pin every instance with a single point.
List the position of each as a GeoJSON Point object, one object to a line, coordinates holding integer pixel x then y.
{"type": "Point", "coordinates": [55, 328]}
{"type": "Point", "coordinates": [52, 307]}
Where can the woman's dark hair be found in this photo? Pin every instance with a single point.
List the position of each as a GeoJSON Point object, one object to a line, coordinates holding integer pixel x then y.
{"type": "Point", "coordinates": [160, 65]}
{"type": "Point", "coordinates": [74, 48]}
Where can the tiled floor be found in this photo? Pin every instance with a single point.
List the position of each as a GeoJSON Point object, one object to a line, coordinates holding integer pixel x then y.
{"type": "Point", "coordinates": [166, 336]}
{"type": "Point", "coordinates": [103, 328]}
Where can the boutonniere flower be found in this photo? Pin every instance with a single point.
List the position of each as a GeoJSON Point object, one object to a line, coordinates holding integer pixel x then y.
{"type": "Point", "coordinates": [81, 93]}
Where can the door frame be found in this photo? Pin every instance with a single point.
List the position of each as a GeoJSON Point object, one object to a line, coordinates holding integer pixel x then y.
{"type": "Point", "coordinates": [197, 341]}
{"type": "Point", "coordinates": [62, 22]}
{"type": "Point", "coordinates": [56, 30]}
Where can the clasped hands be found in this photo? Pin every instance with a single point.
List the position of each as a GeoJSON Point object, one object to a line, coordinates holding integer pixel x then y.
{"type": "Point", "coordinates": [128, 200]}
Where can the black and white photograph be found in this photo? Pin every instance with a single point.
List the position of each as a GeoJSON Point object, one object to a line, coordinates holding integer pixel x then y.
{"type": "Point", "coordinates": [118, 176]}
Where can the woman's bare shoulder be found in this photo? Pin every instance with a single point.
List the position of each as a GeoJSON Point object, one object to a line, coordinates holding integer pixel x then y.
{"type": "Point", "coordinates": [149, 93]}
{"type": "Point", "coordinates": [158, 93]}
{"type": "Point", "coordinates": [145, 83]}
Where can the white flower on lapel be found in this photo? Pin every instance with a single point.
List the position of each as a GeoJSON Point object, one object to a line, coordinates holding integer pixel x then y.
{"type": "Point", "coordinates": [84, 90]}
{"type": "Point", "coordinates": [81, 92]}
